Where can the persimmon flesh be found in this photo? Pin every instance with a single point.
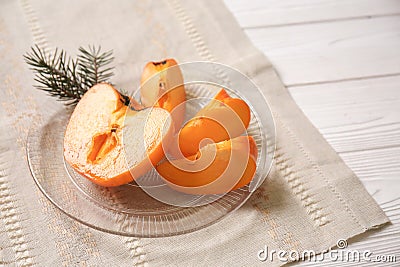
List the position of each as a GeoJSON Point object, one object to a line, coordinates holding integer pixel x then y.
{"type": "Point", "coordinates": [93, 141]}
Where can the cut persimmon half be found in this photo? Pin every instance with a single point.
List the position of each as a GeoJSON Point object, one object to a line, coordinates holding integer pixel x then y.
{"type": "Point", "coordinates": [161, 85]}
{"type": "Point", "coordinates": [109, 142]}
{"type": "Point", "coordinates": [223, 118]}
{"type": "Point", "coordinates": [232, 166]}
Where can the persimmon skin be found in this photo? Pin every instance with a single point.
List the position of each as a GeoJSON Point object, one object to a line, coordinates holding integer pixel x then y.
{"type": "Point", "coordinates": [118, 180]}
{"type": "Point", "coordinates": [213, 180]}
{"type": "Point", "coordinates": [224, 118]}
{"type": "Point", "coordinates": [193, 133]}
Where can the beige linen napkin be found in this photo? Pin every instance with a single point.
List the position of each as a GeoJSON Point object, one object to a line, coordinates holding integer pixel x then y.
{"type": "Point", "coordinates": [309, 201]}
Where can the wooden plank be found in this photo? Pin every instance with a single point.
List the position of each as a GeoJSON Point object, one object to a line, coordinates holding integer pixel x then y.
{"type": "Point", "coordinates": [332, 51]}
{"type": "Point", "coordinates": [272, 13]}
{"type": "Point", "coordinates": [358, 116]}
{"type": "Point", "coordinates": [354, 115]}
{"type": "Point", "coordinates": [378, 169]}
{"type": "Point", "coordinates": [373, 164]}
{"type": "Point", "coordinates": [361, 120]}
{"type": "Point", "coordinates": [352, 107]}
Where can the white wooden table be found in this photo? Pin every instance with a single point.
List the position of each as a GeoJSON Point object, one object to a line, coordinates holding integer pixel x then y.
{"type": "Point", "coordinates": [340, 60]}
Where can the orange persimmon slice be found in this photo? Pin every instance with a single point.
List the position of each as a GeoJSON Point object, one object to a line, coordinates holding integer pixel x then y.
{"type": "Point", "coordinates": [223, 118]}
{"type": "Point", "coordinates": [93, 141]}
{"type": "Point", "coordinates": [161, 85]}
{"type": "Point", "coordinates": [232, 166]}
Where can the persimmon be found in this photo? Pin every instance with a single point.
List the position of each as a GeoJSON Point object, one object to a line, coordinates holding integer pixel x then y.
{"type": "Point", "coordinates": [94, 145]}
{"type": "Point", "coordinates": [231, 165]}
{"type": "Point", "coordinates": [161, 85]}
{"type": "Point", "coordinates": [223, 118]}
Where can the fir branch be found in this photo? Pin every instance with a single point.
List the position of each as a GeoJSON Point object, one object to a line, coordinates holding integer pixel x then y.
{"type": "Point", "coordinates": [66, 78]}
{"type": "Point", "coordinates": [92, 65]}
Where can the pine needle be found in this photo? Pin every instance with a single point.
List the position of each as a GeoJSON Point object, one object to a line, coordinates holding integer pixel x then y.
{"type": "Point", "coordinates": [66, 78]}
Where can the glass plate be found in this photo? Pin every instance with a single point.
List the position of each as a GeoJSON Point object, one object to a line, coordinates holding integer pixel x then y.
{"type": "Point", "coordinates": [128, 209]}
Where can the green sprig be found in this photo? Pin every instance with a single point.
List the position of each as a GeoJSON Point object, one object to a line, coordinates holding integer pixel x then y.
{"type": "Point", "coordinates": [67, 78]}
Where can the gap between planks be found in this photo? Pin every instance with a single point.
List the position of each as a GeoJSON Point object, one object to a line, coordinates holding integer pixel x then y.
{"type": "Point", "coordinates": [319, 21]}
{"type": "Point", "coordinates": [343, 80]}
{"type": "Point", "coordinates": [275, 12]}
